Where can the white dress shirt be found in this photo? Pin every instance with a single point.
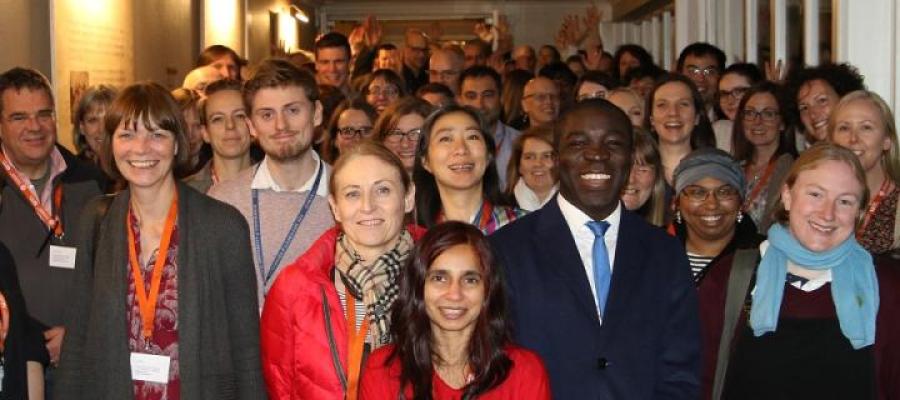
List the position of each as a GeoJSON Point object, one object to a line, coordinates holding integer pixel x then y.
{"type": "Point", "coordinates": [263, 180]}
{"type": "Point", "coordinates": [584, 238]}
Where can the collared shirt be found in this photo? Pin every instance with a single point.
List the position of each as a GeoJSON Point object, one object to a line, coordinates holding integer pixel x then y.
{"type": "Point", "coordinates": [504, 138]}
{"type": "Point", "coordinates": [584, 238]}
{"type": "Point", "coordinates": [263, 180]}
{"type": "Point", "coordinates": [57, 165]}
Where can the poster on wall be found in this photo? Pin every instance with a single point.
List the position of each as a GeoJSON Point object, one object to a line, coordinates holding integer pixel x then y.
{"type": "Point", "coordinates": [92, 44]}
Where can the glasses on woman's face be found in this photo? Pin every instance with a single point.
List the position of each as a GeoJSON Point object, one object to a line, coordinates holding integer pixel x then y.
{"type": "Point", "coordinates": [768, 114]}
{"type": "Point", "coordinates": [351, 132]}
{"type": "Point", "coordinates": [700, 194]}
{"type": "Point", "coordinates": [396, 135]}
{"type": "Point", "coordinates": [735, 94]}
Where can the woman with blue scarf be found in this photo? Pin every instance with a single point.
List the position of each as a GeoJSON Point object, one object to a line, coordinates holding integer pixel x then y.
{"type": "Point", "coordinates": [809, 315]}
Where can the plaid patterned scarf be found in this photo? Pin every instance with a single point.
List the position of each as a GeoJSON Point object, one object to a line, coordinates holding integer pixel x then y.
{"type": "Point", "coordinates": [376, 283]}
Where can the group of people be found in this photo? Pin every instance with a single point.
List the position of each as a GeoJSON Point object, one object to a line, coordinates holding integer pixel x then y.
{"type": "Point", "coordinates": [453, 222]}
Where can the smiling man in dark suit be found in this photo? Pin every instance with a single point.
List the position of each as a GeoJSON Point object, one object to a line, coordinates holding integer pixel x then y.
{"type": "Point", "coordinates": [602, 296]}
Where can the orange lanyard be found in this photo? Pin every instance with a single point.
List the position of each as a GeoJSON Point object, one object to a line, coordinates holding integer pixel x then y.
{"type": "Point", "coordinates": [873, 206]}
{"type": "Point", "coordinates": [357, 345]}
{"type": "Point", "coordinates": [148, 303]}
{"type": "Point", "coordinates": [52, 222]}
{"type": "Point", "coordinates": [760, 184]}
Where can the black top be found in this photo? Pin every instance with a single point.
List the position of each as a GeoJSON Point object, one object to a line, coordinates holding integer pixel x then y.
{"type": "Point", "coordinates": [24, 341]}
{"type": "Point", "coordinates": [807, 357]}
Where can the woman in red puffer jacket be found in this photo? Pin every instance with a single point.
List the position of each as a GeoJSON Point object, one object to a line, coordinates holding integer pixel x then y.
{"type": "Point", "coordinates": [332, 306]}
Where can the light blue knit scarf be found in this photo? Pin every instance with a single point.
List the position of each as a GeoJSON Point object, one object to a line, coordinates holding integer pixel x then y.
{"type": "Point", "coordinates": [854, 286]}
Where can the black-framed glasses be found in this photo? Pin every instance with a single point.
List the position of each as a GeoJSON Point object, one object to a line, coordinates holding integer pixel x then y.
{"type": "Point", "coordinates": [767, 115]}
{"type": "Point", "coordinates": [699, 194]}
{"type": "Point", "coordinates": [351, 132]}
{"type": "Point", "coordinates": [396, 135]}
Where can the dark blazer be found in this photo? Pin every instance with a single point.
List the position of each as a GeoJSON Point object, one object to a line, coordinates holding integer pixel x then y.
{"type": "Point", "coordinates": [218, 315]}
{"type": "Point", "coordinates": [648, 346]}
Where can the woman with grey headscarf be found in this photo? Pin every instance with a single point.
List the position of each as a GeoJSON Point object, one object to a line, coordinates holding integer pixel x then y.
{"type": "Point", "coordinates": [709, 187]}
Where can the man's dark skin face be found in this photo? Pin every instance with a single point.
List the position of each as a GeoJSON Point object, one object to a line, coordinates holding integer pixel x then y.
{"type": "Point", "coordinates": [595, 151]}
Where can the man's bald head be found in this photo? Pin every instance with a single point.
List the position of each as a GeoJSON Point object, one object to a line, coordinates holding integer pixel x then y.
{"type": "Point", "coordinates": [199, 78]}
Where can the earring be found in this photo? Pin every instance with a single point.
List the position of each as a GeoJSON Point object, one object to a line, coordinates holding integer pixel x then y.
{"type": "Point", "coordinates": [678, 217]}
{"type": "Point", "coordinates": [740, 216]}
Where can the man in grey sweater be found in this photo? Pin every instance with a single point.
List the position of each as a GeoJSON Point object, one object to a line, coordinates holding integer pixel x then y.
{"type": "Point", "coordinates": [285, 197]}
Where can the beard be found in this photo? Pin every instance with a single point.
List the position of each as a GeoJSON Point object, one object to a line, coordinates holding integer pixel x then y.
{"type": "Point", "coordinates": [284, 152]}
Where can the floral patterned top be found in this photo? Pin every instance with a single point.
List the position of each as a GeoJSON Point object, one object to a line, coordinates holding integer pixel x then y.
{"type": "Point", "coordinates": [877, 236]}
{"type": "Point", "coordinates": [165, 323]}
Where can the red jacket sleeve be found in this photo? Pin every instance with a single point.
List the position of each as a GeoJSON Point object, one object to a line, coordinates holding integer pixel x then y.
{"type": "Point", "coordinates": [277, 337]}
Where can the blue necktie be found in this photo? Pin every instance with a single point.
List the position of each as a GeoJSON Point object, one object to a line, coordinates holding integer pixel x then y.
{"type": "Point", "coordinates": [600, 257]}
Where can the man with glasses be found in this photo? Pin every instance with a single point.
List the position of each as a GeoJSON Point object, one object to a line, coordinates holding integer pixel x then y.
{"type": "Point", "coordinates": [445, 66]}
{"type": "Point", "coordinates": [42, 192]}
{"type": "Point", "coordinates": [284, 197]}
{"type": "Point", "coordinates": [481, 90]}
{"type": "Point", "coordinates": [540, 101]}
{"type": "Point", "coordinates": [415, 58]}
{"type": "Point", "coordinates": [703, 63]}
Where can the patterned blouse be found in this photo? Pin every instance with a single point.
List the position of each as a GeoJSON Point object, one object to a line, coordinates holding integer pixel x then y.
{"type": "Point", "coordinates": [878, 235]}
{"type": "Point", "coordinates": [491, 217]}
{"type": "Point", "coordinates": [165, 323]}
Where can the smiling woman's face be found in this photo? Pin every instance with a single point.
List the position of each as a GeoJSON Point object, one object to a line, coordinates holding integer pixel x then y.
{"type": "Point", "coordinates": [369, 202]}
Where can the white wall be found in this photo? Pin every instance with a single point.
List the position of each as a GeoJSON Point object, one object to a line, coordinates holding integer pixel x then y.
{"type": "Point", "coordinates": [25, 35]}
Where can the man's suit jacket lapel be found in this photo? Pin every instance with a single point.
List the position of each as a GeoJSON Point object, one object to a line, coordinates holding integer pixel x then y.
{"type": "Point", "coordinates": [626, 273]}
{"type": "Point", "coordinates": [562, 258]}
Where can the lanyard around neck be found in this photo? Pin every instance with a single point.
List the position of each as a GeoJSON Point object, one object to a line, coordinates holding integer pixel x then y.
{"type": "Point", "coordinates": [266, 275]}
{"type": "Point", "coordinates": [147, 303]}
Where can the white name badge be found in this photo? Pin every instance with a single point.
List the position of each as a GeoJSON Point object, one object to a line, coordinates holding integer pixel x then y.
{"type": "Point", "coordinates": [150, 368]}
{"type": "Point", "coordinates": [62, 256]}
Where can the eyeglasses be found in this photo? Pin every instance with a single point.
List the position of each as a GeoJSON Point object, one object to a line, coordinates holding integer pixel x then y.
{"type": "Point", "coordinates": [395, 136]}
{"type": "Point", "coordinates": [600, 94]}
{"type": "Point", "coordinates": [542, 97]}
{"type": "Point", "coordinates": [351, 132]}
{"type": "Point", "coordinates": [767, 115]}
{"type": "Point", "coordinates": [447, 74]}
{"type": "Point", "coordinates": [699, 194]}
{"type": "Point", "coordinates": [388, 91]}
{"type": "Point", "coordinates": [736, 93]}
{"type": "Point", "coordinates": [708, 71]}
{"type": "Point", "coordinates": [42, 117]}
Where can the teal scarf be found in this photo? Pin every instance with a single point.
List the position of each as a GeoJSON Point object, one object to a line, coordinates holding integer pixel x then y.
{"type": "Point", "coordinates": [854, 286]}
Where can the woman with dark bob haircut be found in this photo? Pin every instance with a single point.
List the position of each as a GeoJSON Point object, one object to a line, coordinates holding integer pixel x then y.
{"type": "Point", "coordinates": [455, 175]}
{"type": "Point", "coordinates": [163, 279]}
{"type": "Point", "coordinates": [450, 335]}
{"type": "Point", "coordinates": [630, 56]}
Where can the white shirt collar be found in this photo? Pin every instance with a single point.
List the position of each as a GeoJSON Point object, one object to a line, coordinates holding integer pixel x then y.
{"type": "Point", "coordinates": [577, 219]}
{"type": "Point", "coordinates": [263, 180]}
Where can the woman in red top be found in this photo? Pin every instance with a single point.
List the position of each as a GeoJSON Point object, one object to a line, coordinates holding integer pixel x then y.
{"type": "Point", "coordinates": [450, 335]}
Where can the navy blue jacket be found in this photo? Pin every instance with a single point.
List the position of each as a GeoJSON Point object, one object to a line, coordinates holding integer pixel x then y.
{"type": "Point", "coordinates": [648, 346]}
